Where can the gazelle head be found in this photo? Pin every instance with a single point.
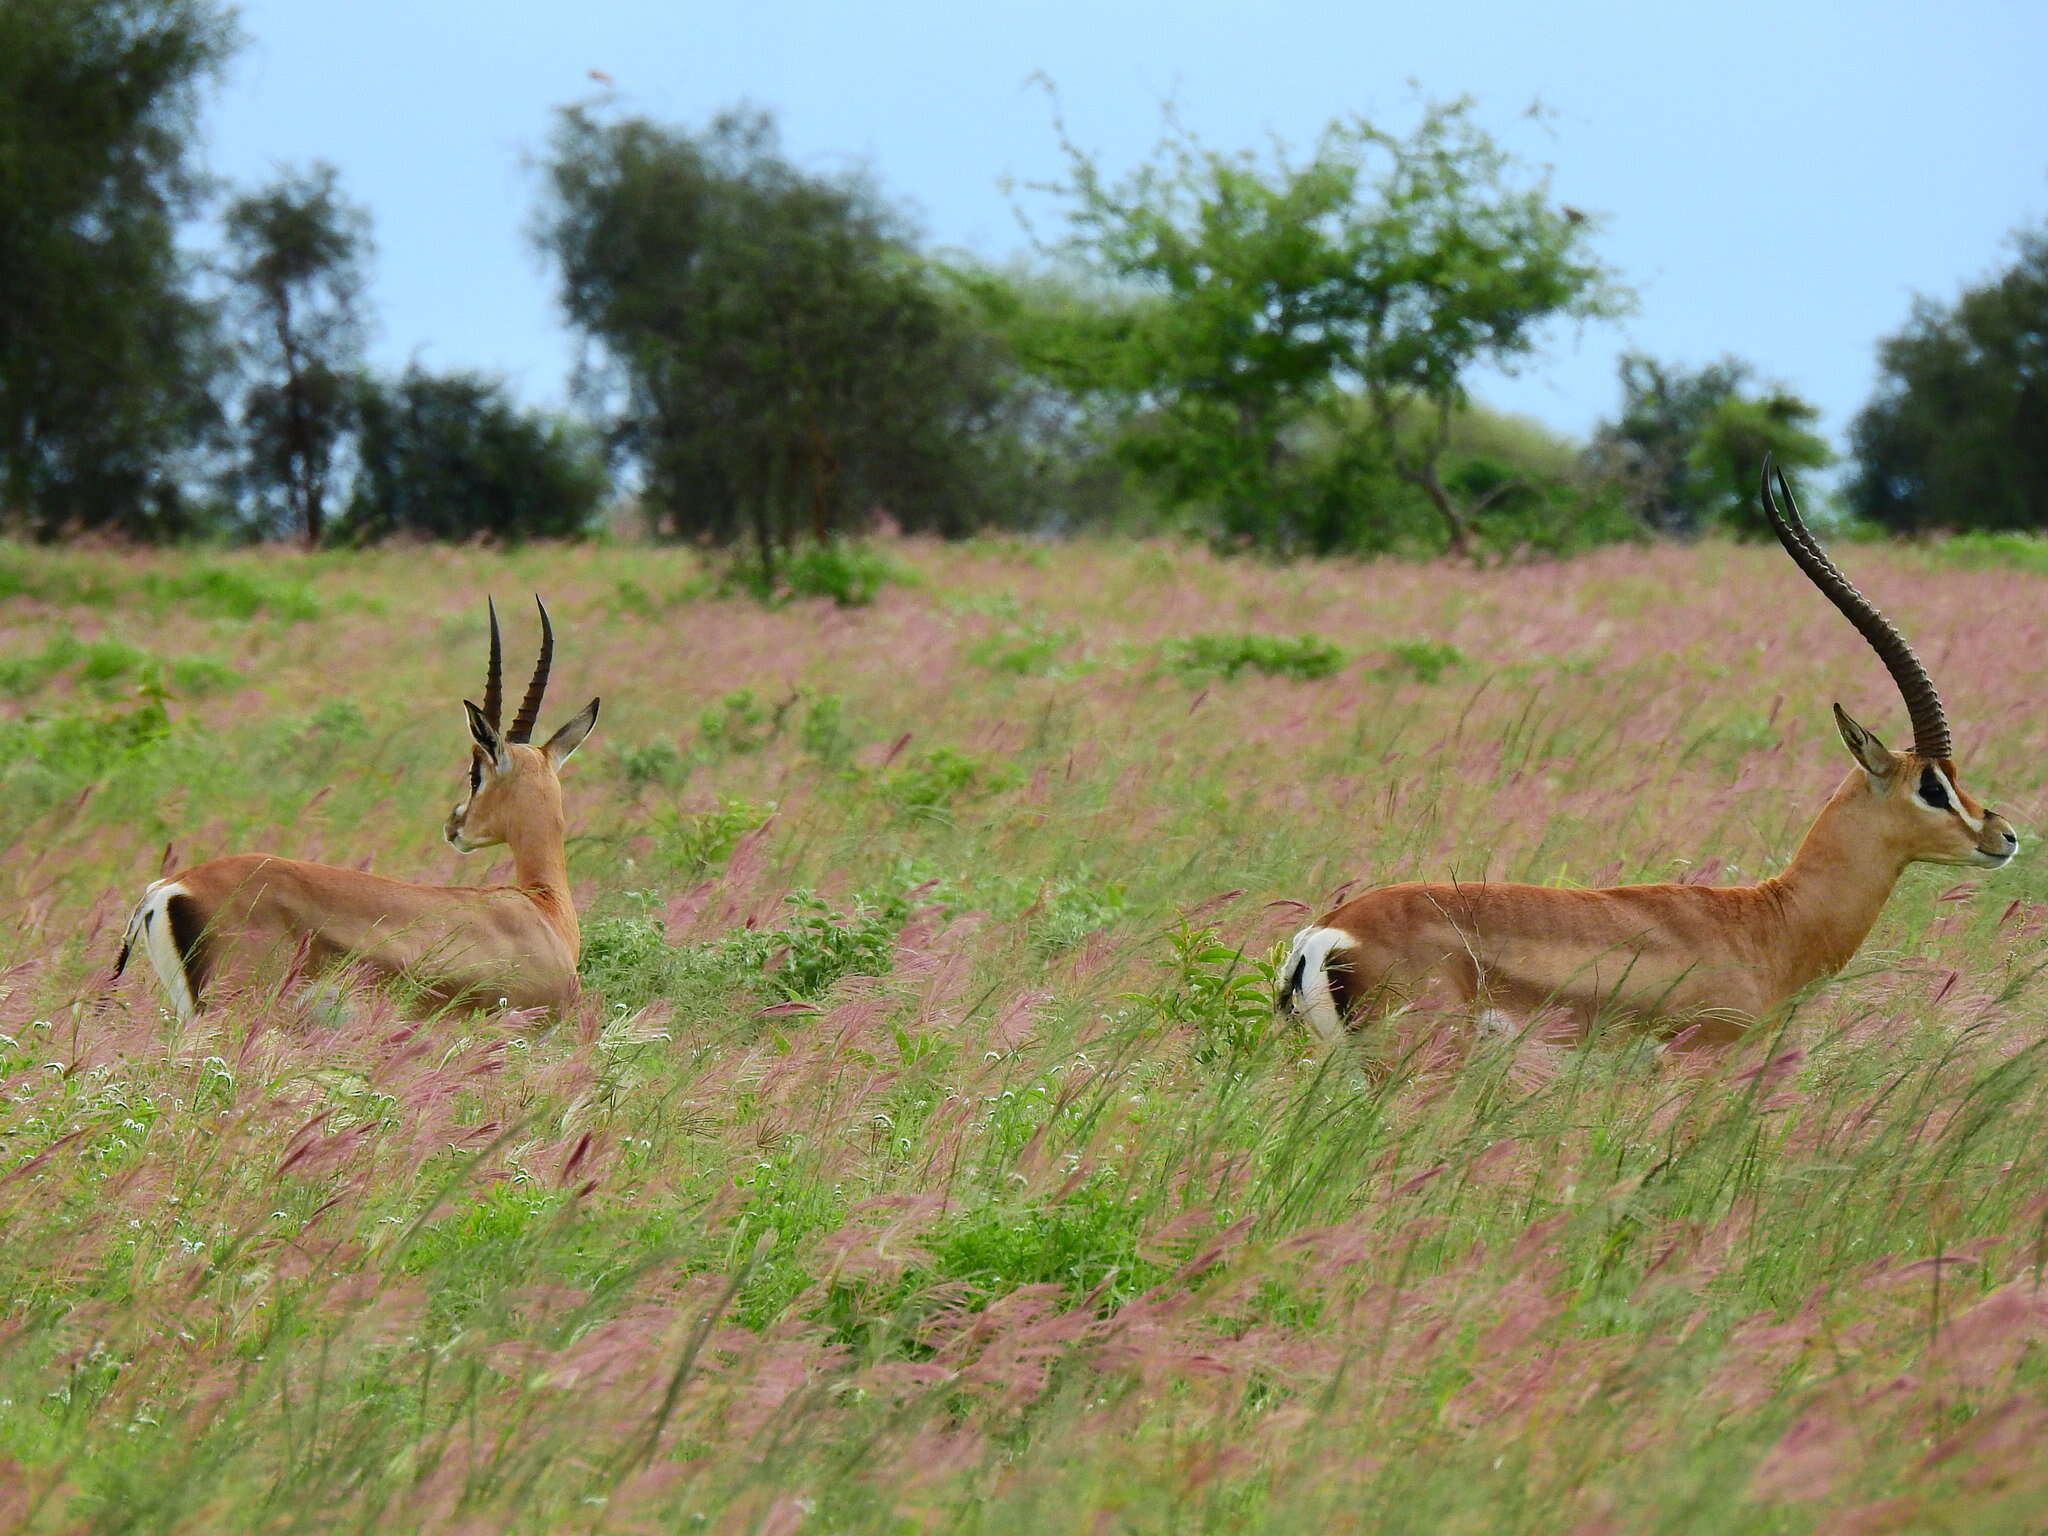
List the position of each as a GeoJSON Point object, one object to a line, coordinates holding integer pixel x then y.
{"type": "Point", "coordinates": [1910, 802]}
{"type": "Point", "coordinates": [513, 783]}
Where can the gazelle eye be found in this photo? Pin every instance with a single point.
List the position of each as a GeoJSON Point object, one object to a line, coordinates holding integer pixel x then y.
{"type": "Point", "coordinates": [1933, 791]}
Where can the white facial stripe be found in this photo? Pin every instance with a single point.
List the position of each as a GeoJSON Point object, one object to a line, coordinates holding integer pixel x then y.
{"type": "Point", "coordinates": [1974, 823]}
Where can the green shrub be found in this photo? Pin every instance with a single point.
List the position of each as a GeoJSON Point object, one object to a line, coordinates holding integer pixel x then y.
{"type": "Point", "coordinates": [847, 572]}
{"type": "Point", "coordinates": [25, 674]}
{"type": "Point", "coordinates": [1070, 910]}
{"type": "Point", "coordinates": [825, 944]}
{"type": "Point", "coordinates": [1225, 995]}
{"type": "Point", "coordinates": [53, 577]}
{"type": "Point", "coordinates": [110, 657]}
{"type": "Point", "coordinates": [75, 749]}
{"type": "Point", "coordinates": [740, 722]}
{"type": "Point", "coordinates": [195, 675]}
{"type": "Point", "coordinates": [1225, 655]}
{"type": "Point", "coordinates": [653, 762]}
{"type": "Point", "coordinates": [338, 720]}
{"type": "Point", "coordinates": [694, 843]}
{"type": "Point", "coordinates": [931, 785]}
{"type": "Point", "coordinates": [1524, 510]}
{"type": "Point", "coordinates": [1993, 551]}
{"type": "Point", "coordinates": [110, 660]}
{"type": "Point", "coordinates": [628, 959]}
{"type": "Point", "coordinates": [824, 733]}
{"type": "Point", "coordinates": [1026, 650]}
{"type": "Point", "coordinates": [233, 592]}
{"type": "Point", "coordinates": [1426, 660]}
{"type": "Point", "coordinates": [1087, 1238]}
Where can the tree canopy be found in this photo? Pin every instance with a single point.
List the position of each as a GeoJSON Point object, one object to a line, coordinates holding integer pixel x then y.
{"type": "Point", "coordinates": [1957, 435]}
{"type": "Point", "coordinates": [296, 252]}
{"type": "Point", "coordinates": [1689, 443]}
{"type": "Point", "coordinates": [106, 355]}
{"type": "Point", "coordinates": [1267, 297]}
{"type": "Point", "coordinates": [448, 456]}
{"type": "Point", "coordinates": [784, 362]}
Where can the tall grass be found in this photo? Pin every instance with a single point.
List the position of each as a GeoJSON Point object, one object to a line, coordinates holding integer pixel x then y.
{"type": "Point", "coordinates": [924, 1154]}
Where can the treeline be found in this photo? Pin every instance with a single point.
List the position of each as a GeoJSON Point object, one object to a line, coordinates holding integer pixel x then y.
{"type": "Point", "coordinates": [1272, 352]}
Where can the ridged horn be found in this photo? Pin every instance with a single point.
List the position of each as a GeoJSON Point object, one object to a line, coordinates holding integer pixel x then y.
{"type": "Point", "coordinates": [529, 707]}
{"type": "Point", "coordinates": [1923, 704]}
{"type": "Point", "coordinates": [494, 680]}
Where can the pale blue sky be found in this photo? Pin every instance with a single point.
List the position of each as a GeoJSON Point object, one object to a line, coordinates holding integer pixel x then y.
{"type": "Point", "coordinates": [1777, 180]}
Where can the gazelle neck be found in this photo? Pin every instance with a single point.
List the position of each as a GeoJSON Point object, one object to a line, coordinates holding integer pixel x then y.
{"type": "Point", "coordinates": [1831, 893]}
{"type": "Point", "coordinates": [540, 868]}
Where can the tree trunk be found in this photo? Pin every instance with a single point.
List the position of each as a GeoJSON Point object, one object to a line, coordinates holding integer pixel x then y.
{"type": "Point", "coordinates": [823, 465]}
{"type": "Point", "coordinates": [767, 489]}
{"type": "Point", "coordinates": [1457, 525]}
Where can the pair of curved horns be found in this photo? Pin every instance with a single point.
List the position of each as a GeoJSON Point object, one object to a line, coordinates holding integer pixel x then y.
{"type": "Point", "coordinates": [494, 689]}
{"type": "Point", "coordinates": [1930, 724]}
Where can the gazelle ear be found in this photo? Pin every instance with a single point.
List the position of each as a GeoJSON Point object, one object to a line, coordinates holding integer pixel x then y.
{"type": "Point", "coordinates": [570, 736]}
{"type": "Point", "coordinates": [485, 735]}
{"type": "Point", "coordinates": [1875, 758]}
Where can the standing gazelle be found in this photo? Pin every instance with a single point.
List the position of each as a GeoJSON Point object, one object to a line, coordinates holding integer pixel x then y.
{"type": "Point", "coordinates": [518, 943]}
{"type": "Point", "coordinates": [1714, 956]}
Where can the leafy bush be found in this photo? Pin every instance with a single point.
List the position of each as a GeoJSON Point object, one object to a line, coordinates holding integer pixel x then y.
{"type": "Point", "coordinates": [1071, 910]}
{"type": "Point", "coordinates": [628, 959]}
{"type": "Point", "coordinates": [824, 733]}
{"type": "Point", "coordinates": [823, 944]}
{"type": "Point", "coordinates": [1979, 551]}
{"type": "Point", "coordinates": [25, 674]}
{"type": "Point", "coordinates": [632, 963]}
{"type": "Point", "coordinates": [929, 787]}
{"type": "Point", "coordinates": [1526, 512]}
{"type": "Point", "coordinates": [1425, 660]}
{"type": "Point", "coordinates": [338, 720]}
{"type": "Point", "coordinates": [1087, 1238]}
{"type": "Point", "coordinates": [73, 749]}
{"type": "Point", "coordinates": [1225, 655]}
{"type": "Point", "coordinates": [740, 722]}
{"type": "Point", "coordinates": [848, 572]}
{"type": "Point", "coordinates": [449, 456]}
{"type": "Point", "coordinates": [652, 762]}
{"type": "Point", "coordinates": [1028, 650]}
{"type": "Point", "coordinates": [110, 660]}
{"type": "Point", "coordinates": [233, 592]}
{"type": "Point", "coordinates": [1225, 995]}
{"type": "Point", "coordinates": [110, 657]}
{"type": "Point", "coordinates": [693, 843]}
{"type": "Point", "coordinates": [53, 577]}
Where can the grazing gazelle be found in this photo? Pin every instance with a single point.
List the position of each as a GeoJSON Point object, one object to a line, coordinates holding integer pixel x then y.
{"type": "Point", "coordinates": [518, 943]}
{"type": "Point", "coordinates": [1716, 957]}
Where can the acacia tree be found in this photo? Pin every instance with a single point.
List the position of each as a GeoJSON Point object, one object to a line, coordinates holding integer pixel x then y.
{"type": "Point", "coordinates": [1957, 435]}
{"type": "Point", "coordinates": [107, 360]}
{"type": "Point", "coordinates": [1269, 295]}
{"type": "Point", "coordinates": [448, 456]}
{"type": "Point", "coordinates": [298, 250]}
{"type": "Point", "coordinates": [783, 361]}
{"type": "Point", "coordinates": [1689, 443]}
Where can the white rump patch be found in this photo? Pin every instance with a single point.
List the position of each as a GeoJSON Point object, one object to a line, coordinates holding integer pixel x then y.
{"type": "Point", "coordinates": [150, 927]}
{"type": "Point", "coordinates": [1498, 1023]}
{"type": "Point", "coordinates": [1311, 996]}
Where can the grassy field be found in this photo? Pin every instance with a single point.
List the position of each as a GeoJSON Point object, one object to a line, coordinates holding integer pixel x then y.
{"type": "Point", "coordinates": [924, 1153]}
